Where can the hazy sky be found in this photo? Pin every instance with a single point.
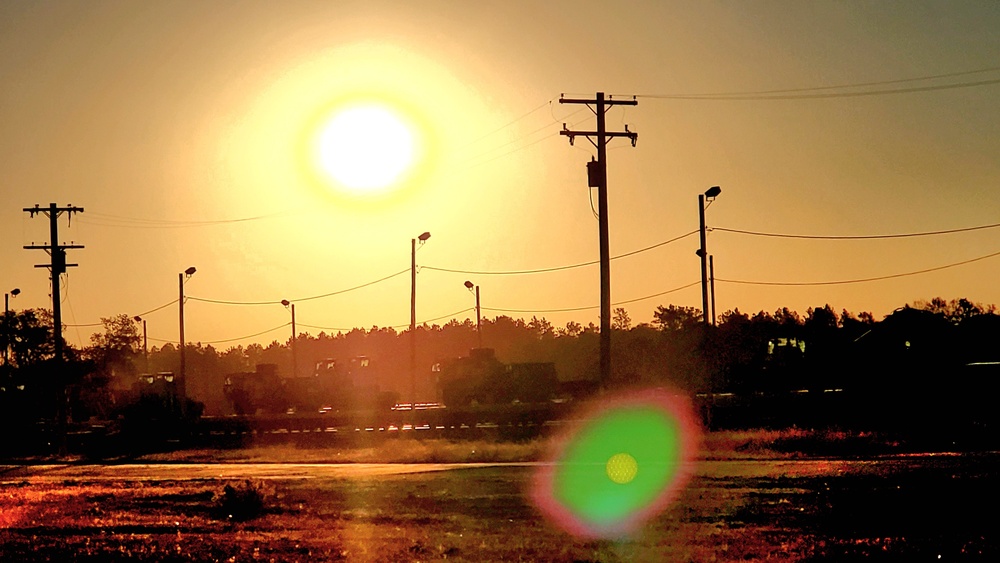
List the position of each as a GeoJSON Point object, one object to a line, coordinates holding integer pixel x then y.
{"type": "Point", "coordinates": [167, 121]}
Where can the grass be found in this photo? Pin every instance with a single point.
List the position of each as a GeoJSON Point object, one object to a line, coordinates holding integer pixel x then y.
{"type": "Point", "coordinates": [392, 451]}
{"type": "Point", "coordinates": [835, 512]}
{"type": "Point", "coordinates": [787, 443]}
{"type": "Point", "coordinates": [753, 444]}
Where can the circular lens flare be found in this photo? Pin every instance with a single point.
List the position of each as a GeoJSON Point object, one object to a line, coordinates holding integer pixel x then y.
{"type": "Point", "coordinates": [624, 460]}
{"type": "Point", "coordinates": [366, 148]}
{"type": "Point", "coordinates": [622, 468]}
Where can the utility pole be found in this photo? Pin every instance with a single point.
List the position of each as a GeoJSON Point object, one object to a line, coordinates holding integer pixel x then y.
{"type": "Point", "coordinates": [597, 172]}
{"type": "Point", "coordinates": [57, 264]}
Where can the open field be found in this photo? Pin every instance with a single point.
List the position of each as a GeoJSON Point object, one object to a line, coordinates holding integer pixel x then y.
{"type": "Point", "coordinates": [736, 508]}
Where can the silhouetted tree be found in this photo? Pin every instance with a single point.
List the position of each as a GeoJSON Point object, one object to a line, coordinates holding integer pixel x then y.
{"type": "Point", "coordinates": [674, 318]}
{"type": "Point", "coordinates": [621, 320]}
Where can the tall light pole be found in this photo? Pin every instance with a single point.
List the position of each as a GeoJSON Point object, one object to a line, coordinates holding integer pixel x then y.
{"type": "Point", "coordinates": [479, 318]}
{"type": "Point", "coordinates": [711, 283]}
{"type": "Point", "coordinates": [413, 317]}
{"type": "Point", "coordinates": [145, 343]}
{"type": "Point", "coordinates": [295, 366]}
{"type": "Point", "coordinates": [181, 278]}
{"type": "Point", "coordinates": [710, 194]}
{"type": "Point", "coordinates": [6, 323]}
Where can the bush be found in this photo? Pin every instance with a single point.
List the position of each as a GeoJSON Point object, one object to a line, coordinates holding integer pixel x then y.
{"type": "Point", "coordinates": [243, 501]}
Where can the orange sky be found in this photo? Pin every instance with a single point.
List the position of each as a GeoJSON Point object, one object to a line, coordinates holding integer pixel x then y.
{"type": "Point", "coordinates": [166, 120]}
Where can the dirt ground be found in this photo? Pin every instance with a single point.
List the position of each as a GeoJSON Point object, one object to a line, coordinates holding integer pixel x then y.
{"type": "Point", "coordinates": [894, 508]}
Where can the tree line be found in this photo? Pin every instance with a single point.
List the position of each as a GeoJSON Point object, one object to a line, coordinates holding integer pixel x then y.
{"type": "Point", "coordinates": [744, 353]}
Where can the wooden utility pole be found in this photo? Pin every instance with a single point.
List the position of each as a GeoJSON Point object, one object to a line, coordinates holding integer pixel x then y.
{"type": "Point", "coordinates": [597, 172]}
{"type": "Point", "coordinates": [57, 263]}
{"type": "Point", "coordinates": [57, 266]}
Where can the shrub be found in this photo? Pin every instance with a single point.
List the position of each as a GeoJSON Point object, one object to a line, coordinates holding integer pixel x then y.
{"type": "Point", "coordinates": [243, 501]}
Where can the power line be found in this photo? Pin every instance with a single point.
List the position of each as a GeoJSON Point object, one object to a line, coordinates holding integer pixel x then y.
{"type": "Point", "coordinates": [276, 302]}
{"type": "Point", "coordinates": [120, 221]}
{"type": "Point", "coordinates": [341, 329]}
{"type": "Point", "coordinates": [165, 305]}
{"type": "Point", "coordinates": [153, 310]}
{"type": "Point", "coordinates": [857, 237]}
{"type": "Point", "coordinates": [556, 268]}
{"type": "Point", "coordinates": [862, 280]}
{"type": "Point", "coordinates": [510, 152]}
{"type": "Point", "coordinates": [272, 329]}
{"type": "Point", "coordinates": [572, 309]}
{"type": "Point", "coordinates": [502, 127]}
{"type": "Point", "coordinates": [737, 97]}
{"type": "Point", "coordinates": [839, 86]}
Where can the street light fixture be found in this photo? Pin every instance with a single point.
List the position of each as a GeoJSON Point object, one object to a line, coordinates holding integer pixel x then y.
{"type": "Point", "coordinates": [291, 306]}
{"type": "Point", "coordinates": [413, 316]}
{"type": "Point", "coordinates": [479, 319]}
{"type": "Point", "coordinates": [711, 194]}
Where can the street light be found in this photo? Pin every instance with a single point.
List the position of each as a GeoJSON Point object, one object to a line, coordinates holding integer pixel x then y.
{"type": "Point", "coordinates": [145, 347]}
{"type": "Point", "coordinates": [181, 278]}
{"type": "Point", "coordinates": [6, 323]}
{"type": "Point", "coordinates": [711, 194]}
{"type": "Point", "coordinates": [479, 319]}
{"type": "Point", "coordinates": [289, 305]}
{"type": "Point", "coordinates": [413, 317]}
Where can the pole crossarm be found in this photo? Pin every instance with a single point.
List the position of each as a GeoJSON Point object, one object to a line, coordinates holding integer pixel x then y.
{"type": "Point", "coordinates": [607, 101]}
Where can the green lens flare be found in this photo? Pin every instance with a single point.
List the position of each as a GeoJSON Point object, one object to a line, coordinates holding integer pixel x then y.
{"type": "Point", "coordinates": [618, 464]}
{"type": "Point", "coordinates": [621, 463]}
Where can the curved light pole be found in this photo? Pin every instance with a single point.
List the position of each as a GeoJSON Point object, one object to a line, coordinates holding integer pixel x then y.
{"type": "Point", "coordinates": [181, 278]}
{"type": "Point", "coordinates": [291, 306]}
{"type": "Point", "coordinates": [479, 319]}
{"type": "Point", "coordinates": [413, 317]}
{"type": "Point", "coordinates": [145, 347]}
{"type": "Point", "coordinates": [710, 194]}
{"type": "Point", "coordinates": [6, 310]}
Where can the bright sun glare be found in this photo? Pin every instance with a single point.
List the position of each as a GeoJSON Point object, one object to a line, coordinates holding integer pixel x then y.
{"type": "Point", "coordinates": [366, 148]}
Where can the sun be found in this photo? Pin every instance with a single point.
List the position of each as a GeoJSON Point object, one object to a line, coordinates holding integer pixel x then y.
{"type": "Point", "coordinates": [366, 148]}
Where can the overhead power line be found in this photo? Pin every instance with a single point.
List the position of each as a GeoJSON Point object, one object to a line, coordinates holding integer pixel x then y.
{"type": "Point", "coordinates": [272, 329]}
{"type": "Point", "coordinates": [120, 221]}
{"type": "Point", "coordinates": [857, 94]}
{"type": "Point", "coordinates": [473, 162]}
{"type": "Point", "coordinates": [817, 92]}
{"type": "Point", "coordinates": [862, 280]}
{"type": "Point", "coordinates": [512, 122]}
{"type": "Point", "coordinates": [572, 309]}
{"type": "Point", "coordinates": [857, 237]}
{"type": "Point", "coordinates": [407, 325]}
{"type": "Point", "coordinates": [557, 268]}
{"type": "Point", "coordinates": [278, 301]}
{"type": "Point", "coordinates": [850, 85]}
